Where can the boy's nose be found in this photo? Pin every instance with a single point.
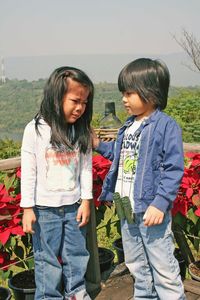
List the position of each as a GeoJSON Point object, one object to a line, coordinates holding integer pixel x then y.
{"type": "Point", "coordinates": [124, 99]}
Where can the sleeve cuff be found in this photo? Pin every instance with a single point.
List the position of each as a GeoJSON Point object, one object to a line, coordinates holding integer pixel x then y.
{"type": "Point", "coordinates": [100, 148]}
{"type": "Point", "coordinates": [161, 203]}
{"type": "Point", "coordinates": [25, 204]}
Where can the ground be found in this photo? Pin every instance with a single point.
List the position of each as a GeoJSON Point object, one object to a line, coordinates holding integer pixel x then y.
{"type": "Point", "coordinates": [119, 286]}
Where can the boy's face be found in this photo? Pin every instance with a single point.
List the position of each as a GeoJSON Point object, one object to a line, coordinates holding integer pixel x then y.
{"type": "Point", "coordinates": [135, 106]}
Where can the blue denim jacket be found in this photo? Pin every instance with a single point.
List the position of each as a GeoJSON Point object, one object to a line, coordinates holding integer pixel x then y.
{"type": "Point", "coordinates": [160, 163]}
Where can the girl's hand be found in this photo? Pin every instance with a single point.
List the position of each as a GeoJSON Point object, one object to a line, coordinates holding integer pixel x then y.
{"type": "Point", "coordinates": [28, 220]}
{"type": "Point", "coordinates": [83, 214]}
{"type": "Point", "coordinates": [95, 139]}
{"type": "Point", "coordinates": [153, 216]}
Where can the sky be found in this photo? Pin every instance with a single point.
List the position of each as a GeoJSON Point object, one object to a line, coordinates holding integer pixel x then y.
{"type": "Point", "coordinates": [54, 27]}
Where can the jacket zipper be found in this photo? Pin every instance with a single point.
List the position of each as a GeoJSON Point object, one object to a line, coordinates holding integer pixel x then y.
{"type": "Point", "coordinates": [145, 161]}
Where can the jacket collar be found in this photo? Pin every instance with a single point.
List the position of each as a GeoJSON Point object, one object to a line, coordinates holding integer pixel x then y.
{"type": "Point", "coordinates": [154, 116]}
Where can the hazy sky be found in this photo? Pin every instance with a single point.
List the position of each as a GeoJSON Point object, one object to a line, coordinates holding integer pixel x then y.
{"type": "Point", "coordinates": [50, 27]}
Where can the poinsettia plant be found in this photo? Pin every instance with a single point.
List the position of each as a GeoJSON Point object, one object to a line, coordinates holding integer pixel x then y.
{"type": "Point", "coordinates": [105, 214]}
{"type": "Point", "coordinates": [15, 246]}
{"type": "Point", "coordinates": [100, 167]}
{"type": "Point", "coordinates": [186, 209]}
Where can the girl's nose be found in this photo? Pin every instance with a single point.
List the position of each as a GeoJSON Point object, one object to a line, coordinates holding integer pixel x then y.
{"type": "Point", "coordinates": [79, 106]}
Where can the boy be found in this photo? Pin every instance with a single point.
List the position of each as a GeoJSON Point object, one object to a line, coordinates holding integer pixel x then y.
{"type": "Point", "coordinates": [147, 169]}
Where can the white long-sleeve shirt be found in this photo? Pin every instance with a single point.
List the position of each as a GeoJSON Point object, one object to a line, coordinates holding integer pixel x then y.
{"type": "Point", "coordinates": [49, 176]}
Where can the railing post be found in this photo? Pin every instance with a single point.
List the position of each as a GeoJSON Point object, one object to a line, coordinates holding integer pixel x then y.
{"type": "Point", "coordinates": [93, 274]}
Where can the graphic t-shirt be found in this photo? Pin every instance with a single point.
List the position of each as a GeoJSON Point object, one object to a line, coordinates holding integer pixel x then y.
{"type": "Point", "coordinates": [62, 168]}
{"type": "Point", "coordinates": [128, 161]}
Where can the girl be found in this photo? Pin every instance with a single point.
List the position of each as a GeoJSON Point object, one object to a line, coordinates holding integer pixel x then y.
{"type": "Point", "coordinates": [56, 184]}
{"type": "Point", "coordinates": [147, 169]}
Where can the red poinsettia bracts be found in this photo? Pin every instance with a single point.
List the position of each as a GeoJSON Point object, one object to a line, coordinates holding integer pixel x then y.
{"type": "Point", "coordinates": [18, 172]}
{"type": "Point", "coordinates": [100, 167]}
{"type": "Point", "coordinates": [189, 193]}
{"type": "Point", "coordinates": [186, 209]}
{"type": "Point", "coordinates": [181, 205]}
{"type": "Point", "coordinates": [5, 260]}
{"type": "Point", "coordinates": [10, 211]}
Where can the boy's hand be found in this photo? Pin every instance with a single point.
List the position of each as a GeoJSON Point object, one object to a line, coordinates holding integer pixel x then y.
{"type": "Point", "coordinates": [83, 214]}
{"type": "Point", "coordinates": [28, 220]}
{"type": "Point", "coordinates": [95, 139]}
{"type": "Point", "coordinates": [108, 203]}
{"type": "Point", "coordinates": [153, 216]}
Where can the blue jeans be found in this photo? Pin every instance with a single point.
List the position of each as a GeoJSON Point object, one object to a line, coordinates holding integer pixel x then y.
{"type": "Point", "coordinates": [57, 235]}
{"type": "Point", "coordinates": [149, 257]}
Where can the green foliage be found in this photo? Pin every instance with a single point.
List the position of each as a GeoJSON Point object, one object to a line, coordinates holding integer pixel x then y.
{"type": "Point", "coordinates": [19, 248]}
{"type": "Point", "coordinates": [15, 247]}
{"type": "Point", "coordinates": [20, 101]}
{"type": "Point", "coordinates": [185, 109]}
{"type": "Point", "coordinates": [108, 226]}
{"type": "Point", "coordinates": [9, 148]}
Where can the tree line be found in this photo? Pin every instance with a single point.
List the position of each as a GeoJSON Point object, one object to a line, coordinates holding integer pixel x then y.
{"type": "Point", "coordinates": [20, 101]}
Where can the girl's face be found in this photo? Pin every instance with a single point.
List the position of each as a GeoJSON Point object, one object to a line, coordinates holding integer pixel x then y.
{"type": "Point", "coordinates": [135, 106]}
{"type": "Point", "coordinates": [74, 101]}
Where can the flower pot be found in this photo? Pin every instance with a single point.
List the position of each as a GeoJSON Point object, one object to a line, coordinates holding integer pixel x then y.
{"type": "Point", "coordinates": [181, 261]}
{"type": "Point", "coordinates": [118, 246]}
{"type": "Point", "coordinates": [5, 293]}
{"type": "Point", "coordinates": [23, 285]}
{"type": "Point", "coordinates": [194, 270]}
{"type": "Point", "coordinates": [106, 258]}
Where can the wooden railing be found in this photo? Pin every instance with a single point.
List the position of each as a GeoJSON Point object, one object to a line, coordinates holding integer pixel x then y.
{"type": "Point", "coordinates": [10, 163]}
{"type": "Point", "coordinates": [110, 135]}
{"type": "Point", "coordinates": [104, 134]}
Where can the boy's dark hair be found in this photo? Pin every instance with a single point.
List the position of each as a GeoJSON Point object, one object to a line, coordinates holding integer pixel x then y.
{"type": "Point", "coordinates": [51, 109]}
{"type": "Point", "coordinates": [148, 78]}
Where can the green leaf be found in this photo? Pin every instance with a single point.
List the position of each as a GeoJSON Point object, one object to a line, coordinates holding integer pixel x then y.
{"type": "Point", "coordinates": [191, 215]}
{"type": "Point", "coordinates": [108, 228]}
{"type": "Point", "coordinates": [30, 263]}
{"type": "Point", "coordinates": [19, 251]}
{"type": "Point", "coordinates": [190, 228]}
{"type": "Point", "coordinates": [5, 274]}
{"type": "Point", "coordinates": [99, 218]}
{"type": "Point", "coordinates": [9, 180]}
{"type": "Point", "coordinates": [180, 220]}
{"type": "Point", "coordinates": [25, 240]}
{"type": "Point", "coordinates": [12, 241]}
{"type": "Point", "coordinates": [118, 226]}
{"type": "Point", "coordinates": [196, 244]}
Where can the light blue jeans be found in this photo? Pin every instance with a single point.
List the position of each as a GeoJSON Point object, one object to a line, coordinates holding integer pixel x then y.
{"type": "Point", "coordinates": [149, 256]}
{"type": "Point", "coordinates": [57, 235]}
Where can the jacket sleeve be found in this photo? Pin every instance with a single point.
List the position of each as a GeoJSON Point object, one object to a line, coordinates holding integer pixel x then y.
{"type": "Point", "coordinates": [173, 167]}
{"type": "Point", "coordinates": [106, 149]}
{"type": "Point", "coordinates": [28, 167]}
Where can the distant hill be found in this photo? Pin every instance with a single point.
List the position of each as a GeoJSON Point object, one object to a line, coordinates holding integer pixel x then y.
{"type": "Point", "coordinates": [20, 101]}
{"type": "Point", "coordinates": [100, 67]}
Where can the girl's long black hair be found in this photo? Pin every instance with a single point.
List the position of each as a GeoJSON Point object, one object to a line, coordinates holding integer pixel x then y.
{"type": "Point", "coordinates": [51, 110]}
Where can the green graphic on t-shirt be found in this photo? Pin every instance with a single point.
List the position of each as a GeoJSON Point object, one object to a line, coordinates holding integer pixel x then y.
{"type": "Point", "coordinates": [129, 164]}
